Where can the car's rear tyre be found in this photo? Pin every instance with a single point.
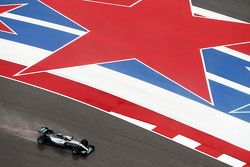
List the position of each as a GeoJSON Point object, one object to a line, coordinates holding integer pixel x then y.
{"type": "Point", "coordinates": [41, 140]}
{"type": "Point", "coordinates": [84, 142]}
{"type": "Point", "coordinates": [49, 131]}
{"type": "Point", "coordinates": [75, 150]}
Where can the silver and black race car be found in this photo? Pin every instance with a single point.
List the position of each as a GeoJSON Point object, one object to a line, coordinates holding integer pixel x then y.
{"type": "Point", "coordinates": [48, 136]}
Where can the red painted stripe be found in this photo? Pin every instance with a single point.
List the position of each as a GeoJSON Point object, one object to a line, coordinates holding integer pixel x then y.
{"type": "Point", "coordinates": [112, 103]}
{"type": "Point", "coordinates": [5, 28]}
{"type": "Point", "coordinates": [162, 122]}
{"type": "Point", "coordinates": [165, 132]}
{"type": "Point", "coordinates": [214, 153]}
{"type": "Point", "coordinates": [118, 2]}
{"type": "Point", "coordinates": [4, 9]}
{"type": "Point", "coordinates": [243, 48]}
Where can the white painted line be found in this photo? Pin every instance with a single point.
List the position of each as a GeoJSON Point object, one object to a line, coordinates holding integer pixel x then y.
{"type": "Point", "coordinates": [135, 3]}
{"type": "Point", "coordinates": [134, 121]}
{"type": "Point", "coordinates": [233, 53]}
{"type": "Point", "coordinates": [62, 14]}
{"type": "Point", "coordinates": [210, 95]}
{"type": "Point", "coordinates": [12, 31]}
{"type": "Point", "coordinates": [228, 83]}
{"type": "Point", "coordinates": [90, 106]}
{"type": "Point", "coordinates": [213, 15]}
{"type": "Point", "coordinates": [167, 103]}
{"type": "Point", "coordinates": [231, 161]}
{"type": "Point", "coordinates": [44, 23]}
{"type": "Point", "coordinates": [248, 68]}
{"type": "Point", "coordinates": [21, 5]}
{"type": "Point", "coordinates": [236, 111]}
{"type": "Point", "coordinates": [113, 4]}
{"type": "Point", "coordinates": [13, 4]}
{"type": "Point", "coordinates": [186, 141]}
{"type": "Point", "coordinates": [20, 53]}
{"type": "Point", "coordinates": [204, 70]}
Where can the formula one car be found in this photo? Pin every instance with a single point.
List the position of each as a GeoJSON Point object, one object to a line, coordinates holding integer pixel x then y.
{"type": "Point", "coordinates": [48, 136]}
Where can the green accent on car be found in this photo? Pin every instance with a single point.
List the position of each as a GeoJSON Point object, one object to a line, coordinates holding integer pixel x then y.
{"type": "Point", "coordinates": [43, 130]}
{"type": "Point", "coordinates": [89, 150]}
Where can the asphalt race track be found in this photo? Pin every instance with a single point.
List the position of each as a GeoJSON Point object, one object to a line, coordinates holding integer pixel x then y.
{"type": "Point", "coordinates": [24, 109]}
{"type": "Point", "coordinates": [239, 9]}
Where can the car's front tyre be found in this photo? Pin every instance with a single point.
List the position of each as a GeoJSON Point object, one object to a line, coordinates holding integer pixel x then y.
{"type": "Point", "coordinates": [84, 142]}
{"type": "Point", "coordinates": [41, 140]}
{"type": "Point", "coordinates": [75, 150]}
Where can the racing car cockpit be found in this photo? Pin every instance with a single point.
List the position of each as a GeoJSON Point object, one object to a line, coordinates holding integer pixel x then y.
{"type": "Point", "coordinates": [68, 138]}
{"type": "Point", "coordinates": [59, 135]}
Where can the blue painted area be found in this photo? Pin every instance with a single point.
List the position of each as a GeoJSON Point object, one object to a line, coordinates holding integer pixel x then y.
{"type": "Point", "coordinates": [227, 66]}
{"type": "Point", "coordinates": [227, 99]}
{"type": "Point", "coordinates": [37, 10]}
{"type": "Point", "coordinates": [242, 116]}
{"type": "Point", "coordinates": [137, 70]}
{"type": "Point", "coordinates": [248, 68]}
{"type": "Point", "coordinates": [37, 36]}
{"type": "Point", "coordinates": [3, 2]}
{"type": "Point", "coordinates": [245, 109]}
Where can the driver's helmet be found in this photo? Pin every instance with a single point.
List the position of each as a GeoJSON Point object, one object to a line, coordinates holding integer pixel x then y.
{"type": "Point", "coordinates": [59, 135]}
{"type": "Point", "coordinates": [68, 138]}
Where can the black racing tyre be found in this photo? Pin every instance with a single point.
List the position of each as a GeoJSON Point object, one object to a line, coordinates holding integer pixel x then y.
{"type": "Point", "coordinates": [66, 144]}
{"type": "Point", "coordinates": [84, 154]}
{"type": "Point", "coordinates": [75, 150]}
{"type": "Point", "coordinates": [41, 140]}
{"type": "Point", "coordinates": [49, 131]}
{"type": "Point", "coordinates": [84, 142]}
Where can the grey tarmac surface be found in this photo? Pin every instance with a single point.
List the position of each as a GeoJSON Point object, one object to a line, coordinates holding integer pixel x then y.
{"type": "Point", "coordinates": [23, 109]}
{"type": "Point", "coordinates": [239, 9]}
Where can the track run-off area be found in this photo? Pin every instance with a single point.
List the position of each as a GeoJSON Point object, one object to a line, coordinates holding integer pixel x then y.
{"type": "Point", "coordinates": [163, 84]}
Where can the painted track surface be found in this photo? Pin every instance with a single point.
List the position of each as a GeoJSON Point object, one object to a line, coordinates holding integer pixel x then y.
{"type": "Point", "coordinates": [239, 9]}
{"type": "Point", "coordinates": [117, 142]}
{"type": "Point", "coordinates": [60, 123]}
